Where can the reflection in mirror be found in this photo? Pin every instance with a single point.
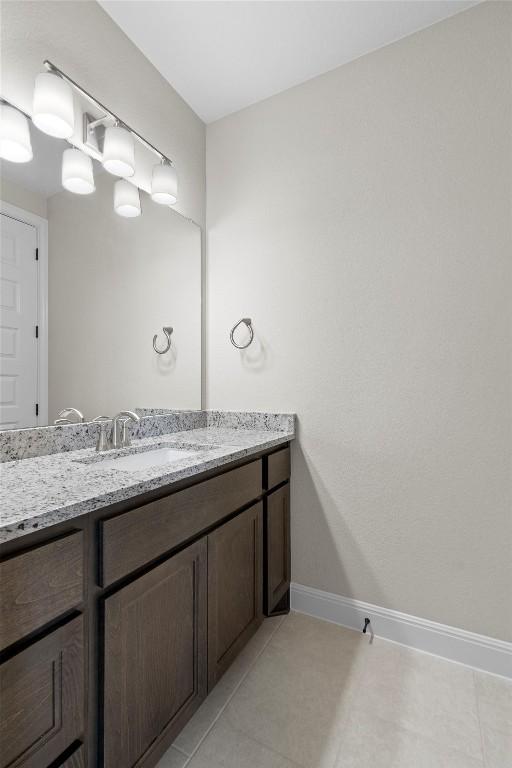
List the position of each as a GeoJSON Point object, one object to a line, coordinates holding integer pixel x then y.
{"type": "Point", "coordinates": [77, 325]}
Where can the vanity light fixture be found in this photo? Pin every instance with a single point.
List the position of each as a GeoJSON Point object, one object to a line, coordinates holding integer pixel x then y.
{"type": "Point", "coordinates": [126, 199]}
{"type": "Point", "coordinates": [164, 184]}
{"type": "Point", "coordinates": [104, 136]}
{"type": "Point", "coordinates": [53, 109]}
{"type": "Point", "coordinates": [77, 174]}
{"type": "Point", "coordinates": [119, 151]}
{"type": "Point", "coordinates": [15, 144]}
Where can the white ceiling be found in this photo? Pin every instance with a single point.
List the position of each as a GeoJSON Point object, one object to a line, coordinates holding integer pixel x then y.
{"type": "Point", "coordinates": [223, 56]}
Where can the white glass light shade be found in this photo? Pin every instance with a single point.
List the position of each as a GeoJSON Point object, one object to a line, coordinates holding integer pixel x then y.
{"type": "Point", "coordinates": [164, 185]}
{"type": "Point", "coordinates": [119, 151]}
{"type": "Point", "coordinates": [53, 111]}
{"type": "Point", "coordinates": [126, 199]}
{"type": "Point", "coordinates": [77, 175]}
{"type": "Point", "coordinates": [15, 142]}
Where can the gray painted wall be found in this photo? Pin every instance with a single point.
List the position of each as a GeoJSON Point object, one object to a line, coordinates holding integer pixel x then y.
{"type": "Point", "coordinates": [81, 39]}
{"type": "Point", "coordinates": [363, 220]}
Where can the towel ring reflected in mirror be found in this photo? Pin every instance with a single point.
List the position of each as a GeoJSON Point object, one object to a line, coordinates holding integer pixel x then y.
{"type": "Point", "coordinates": [246, 321]}
{"type": "Point", "coordinates": [167, 329]}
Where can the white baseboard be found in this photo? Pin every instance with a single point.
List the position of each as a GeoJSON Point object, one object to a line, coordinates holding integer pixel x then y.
{"type": "Point", "coordinates": [458, 645]}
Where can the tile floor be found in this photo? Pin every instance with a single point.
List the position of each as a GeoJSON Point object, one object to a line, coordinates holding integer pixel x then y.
{"type": "Point", "coordinates": [308, 694]}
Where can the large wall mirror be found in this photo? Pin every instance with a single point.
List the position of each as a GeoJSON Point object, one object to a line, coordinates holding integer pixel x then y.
{"type": "Point", "coordinates": [77, 325]}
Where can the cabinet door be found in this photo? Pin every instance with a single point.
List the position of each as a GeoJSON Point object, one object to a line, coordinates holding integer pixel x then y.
{"type": "Point", "coordinates": [155, 657]}
{"type": "Point", "coordinates": [42, 699]}
{"type": "Point", "coordinates": [277, 547]}
{"type": "Point", "coordinates": [235, 559]}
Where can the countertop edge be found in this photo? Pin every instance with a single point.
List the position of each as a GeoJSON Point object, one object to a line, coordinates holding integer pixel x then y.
{"type": "Point", "coordinates": [46, 519]}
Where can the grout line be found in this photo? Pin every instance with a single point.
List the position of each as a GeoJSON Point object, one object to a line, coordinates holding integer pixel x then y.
{"type": "Point", "coordinates": [180, 751]}
{"type": "Point", "coordinates": [273, 750]}
{"type": "Point", "coordinates": [235, 689]}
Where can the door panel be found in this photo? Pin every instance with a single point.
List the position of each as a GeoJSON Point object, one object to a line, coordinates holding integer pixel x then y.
{"type": "Point", "coordinates": [18, 319]}
{"type": "Point", "coordinates": [277, 530]}
{"type": "Point", "coordinates": [235, 555]}
{"type": "Point", "coordinates": [155, 656]}
{"type": "Point", "coordinates": [42, 695]}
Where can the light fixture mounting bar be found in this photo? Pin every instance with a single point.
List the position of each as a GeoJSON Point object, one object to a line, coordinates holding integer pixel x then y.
{"type": "Point", "coordinates": [19, 109]}
{"type": "Point", "coordinates": [108, 113]}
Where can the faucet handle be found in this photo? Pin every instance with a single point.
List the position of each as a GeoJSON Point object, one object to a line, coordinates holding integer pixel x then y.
{"type": "Point", "coordinates": [103, 443]}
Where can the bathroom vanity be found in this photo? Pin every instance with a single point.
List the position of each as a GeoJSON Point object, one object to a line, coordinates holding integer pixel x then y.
{"type": "Point", "coordinates": [116, 622]}
{"type": "Point", "coordinates": [129, 579]}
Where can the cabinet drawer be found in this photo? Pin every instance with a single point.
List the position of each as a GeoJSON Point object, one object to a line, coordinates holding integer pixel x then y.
{"type": "Point", "coordinates": [277, 546]}
{"type": "Point", "coordinates": [278, 467]}
{"type": "Point", "coordinates": [42, 693]}
{"type": "Point", "coordinates": [134, 538]}
{"type": "Point", "coordinates": [39, 585]}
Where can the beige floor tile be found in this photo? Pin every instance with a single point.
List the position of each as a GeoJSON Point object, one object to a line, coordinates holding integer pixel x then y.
{"type": "Point", "coordinates": [306, 635]}
{"type": "Point", "coordinates": [495, 710]}
{"type": "Point", "coordinates": [196, 729]}
{"type": "Point", "coordinates": [226, 747]}
{"type": "Point", "coordinates": [424, 694]}
{"type": "Point", "coordinates": [308, 694]}
{"type": "Point", "coordinates": [293, 705]}
{"type": "Point", "coordinates": [172, 759]}
{"type": "Point", "coordinates": [497, 747]}
{"type": "Point", "coordinates": [494, 701]}
{"type": "Point", "coordinates": [370, 741]}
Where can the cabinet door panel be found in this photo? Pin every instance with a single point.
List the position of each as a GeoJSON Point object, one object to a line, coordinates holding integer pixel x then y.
{"type": "Point", "coordinates": [235, 557]}
{"type": "Point", "coordinates": [155, 656]}
{"type": "Point", "coordinates": [42, 699]}
{"type": "Point", "coordinates": [277, 528]}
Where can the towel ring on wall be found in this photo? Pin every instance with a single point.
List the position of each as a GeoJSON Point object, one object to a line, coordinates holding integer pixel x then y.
{"type": "Point", "coordinates": [248, 323]}
{"type": "Point", "coordinates": [168, 331]}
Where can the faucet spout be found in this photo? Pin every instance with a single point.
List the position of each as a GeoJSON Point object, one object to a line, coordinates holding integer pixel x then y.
{"type": "Point", "coordinates": [120, 434]}
{"type": "Point", "coordinates": [66, 413]}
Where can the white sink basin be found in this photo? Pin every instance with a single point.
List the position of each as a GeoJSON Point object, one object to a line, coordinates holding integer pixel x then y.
{"type": "Point", "coordinates": [146, 459]}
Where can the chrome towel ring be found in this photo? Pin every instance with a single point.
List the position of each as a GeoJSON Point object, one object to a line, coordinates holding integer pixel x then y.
{"type": "Point", "coordinates": [168, 331]}
{"type": "Point", "coordinates": [248, 323]}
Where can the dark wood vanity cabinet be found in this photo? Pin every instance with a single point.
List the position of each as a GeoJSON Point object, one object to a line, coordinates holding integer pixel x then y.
{"type": "Point", "coordinates": [235, 570]}
{"type": "Point", "coordinates": [39, 585]}
{"type": "Point", "coordinates": [277, 549]}
{"type": "Point", "coordinates": [155, 656]}
{"type": "Point", "coordinates": [115, 625]}
{"type": "Point", "coordinates": [42, 698]}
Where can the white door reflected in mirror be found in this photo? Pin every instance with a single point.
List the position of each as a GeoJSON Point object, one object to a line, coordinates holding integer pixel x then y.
{"type": "Point", "coordinates": [18, 321]}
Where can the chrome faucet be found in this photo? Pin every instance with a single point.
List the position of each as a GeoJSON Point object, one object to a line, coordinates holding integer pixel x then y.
{"type": "Point", "coordinates": [120, 436]}
{"type": "Point", "coordinates": [103, 443]}
{"type": "Point", "coordinates": [63, 416]}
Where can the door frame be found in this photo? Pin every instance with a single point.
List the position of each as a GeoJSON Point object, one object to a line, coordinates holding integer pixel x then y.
{"type": "Point", "coordinates": [41, 227]}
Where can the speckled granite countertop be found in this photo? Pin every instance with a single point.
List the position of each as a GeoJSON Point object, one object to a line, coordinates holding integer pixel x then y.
{"type": "Point", "coordinates": [39, 492]}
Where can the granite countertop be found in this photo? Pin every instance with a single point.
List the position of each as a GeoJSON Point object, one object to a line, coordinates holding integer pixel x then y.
{"type": "Point", "coordinates": [43, 491]}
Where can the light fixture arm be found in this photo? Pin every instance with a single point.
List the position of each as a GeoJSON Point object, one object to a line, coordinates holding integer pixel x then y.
{"type": "Point", "coordinates": [108, 113]}
{"type": "Point", "coordinates": [15, 106]}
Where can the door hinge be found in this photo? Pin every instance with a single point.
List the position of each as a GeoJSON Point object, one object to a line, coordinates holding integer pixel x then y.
{"type": "Point", "coordinates": [37, 409]}
{"type": "Point", "coordinates": [37, 331]}
{"type": "Point", "coordinates": [37, 254]}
